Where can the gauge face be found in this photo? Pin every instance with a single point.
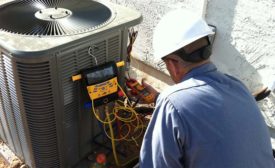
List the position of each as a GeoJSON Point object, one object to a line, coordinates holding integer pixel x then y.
{"type": "Point", "coordinates": [99, 74]}
{"type": "Point", "coordinates": [53, 17]}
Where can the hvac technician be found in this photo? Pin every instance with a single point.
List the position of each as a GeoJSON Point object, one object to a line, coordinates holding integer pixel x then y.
{"type": "Point", "coordinates": [207, 119]}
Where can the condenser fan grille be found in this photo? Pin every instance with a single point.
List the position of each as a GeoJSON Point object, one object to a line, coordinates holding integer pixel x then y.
{"type": "Point", "coordinates": [53, 17]}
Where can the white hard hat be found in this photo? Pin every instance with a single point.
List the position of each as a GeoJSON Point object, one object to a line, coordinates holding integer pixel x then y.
{"type": "Point", "coordinates": [176, 30]}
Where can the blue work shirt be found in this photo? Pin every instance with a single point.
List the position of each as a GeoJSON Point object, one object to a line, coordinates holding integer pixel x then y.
{"type": "Point", "coordinates": [209, 120]}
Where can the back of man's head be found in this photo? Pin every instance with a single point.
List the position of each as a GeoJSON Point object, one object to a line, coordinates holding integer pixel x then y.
{"type": "Point", "coordinates": [196, 51]}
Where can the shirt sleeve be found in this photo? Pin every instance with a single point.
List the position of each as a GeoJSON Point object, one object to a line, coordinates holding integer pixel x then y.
{"type": "Point", "coordinates": [164, 139]}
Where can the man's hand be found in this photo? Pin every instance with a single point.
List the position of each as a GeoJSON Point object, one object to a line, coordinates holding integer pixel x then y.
{"type": "Point", "coordinates": [143, 92]}
{"type": "Point", "coordinates": [151, 90]}
{"type": "Point", "coordinates": [261, 94]}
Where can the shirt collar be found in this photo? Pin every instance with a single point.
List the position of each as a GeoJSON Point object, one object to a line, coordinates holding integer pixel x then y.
{"type": "Point", "coordinates": [202, 69]}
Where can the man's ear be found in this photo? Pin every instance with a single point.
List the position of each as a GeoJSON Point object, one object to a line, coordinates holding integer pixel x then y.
{"type": "Point", "coordinates": [174, 68]}
{"type": "Point", "coordinates": [177, 66]}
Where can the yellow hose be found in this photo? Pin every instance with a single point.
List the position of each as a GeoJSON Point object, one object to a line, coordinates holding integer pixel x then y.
{"type": "Point", "coordinates": [112, 136]}
{"type": "Point", "coordinates": [133, 120]}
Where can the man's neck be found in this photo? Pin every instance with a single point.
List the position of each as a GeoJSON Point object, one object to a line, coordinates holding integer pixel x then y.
{"type": "Point", "coordinates": [194, 65]}
{"type": "Point", "coordinates": [187, 68]}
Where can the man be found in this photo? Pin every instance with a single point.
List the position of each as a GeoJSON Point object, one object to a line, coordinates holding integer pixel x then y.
{"type": "Point", "coordinates": [207, 119]}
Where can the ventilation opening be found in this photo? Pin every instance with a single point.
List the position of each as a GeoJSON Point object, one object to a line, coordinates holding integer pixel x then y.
{"type": "Point", "coordinates": [53, 18]}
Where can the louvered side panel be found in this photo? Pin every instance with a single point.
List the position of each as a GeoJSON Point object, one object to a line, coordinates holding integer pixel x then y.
{"type": "Point", "coordinates": [68, 64]}
{"type": "Point", "coordinates": [3, 122]}
{"type": "Point", "coordinates": [37, 94]}
{"type": "Point", "coordinates": [3, 116]}
{"type": "Point", "coordinates": [9, 68]}
{"type": "Point", "coordinates": [86, 60]}
{"type": "Point", "coordinates": [7, 104]}
{"type": "Point", "coordinates": [77, 120]}
{"type": "Point", "coordinates": [3, 119]}
{"type": "Point", "coordinates": [114, 49]}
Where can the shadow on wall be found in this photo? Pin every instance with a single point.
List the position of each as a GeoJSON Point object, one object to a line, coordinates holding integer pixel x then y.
{"type": "Point", "coordinates": [225, 55]}
{"type": "Point", "coordinates": [228, 59]}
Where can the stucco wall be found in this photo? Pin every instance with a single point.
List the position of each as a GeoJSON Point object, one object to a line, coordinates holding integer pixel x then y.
{"type": "Point", "coordinates": [245, 43]}
{"type": "Point", "coordinates": [245, 40]}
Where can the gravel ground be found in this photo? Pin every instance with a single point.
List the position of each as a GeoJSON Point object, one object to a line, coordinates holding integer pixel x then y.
{"type": "Point", "coordinates": [12, 160]}
{"type": "Point", "coordinates": [2, 163]}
